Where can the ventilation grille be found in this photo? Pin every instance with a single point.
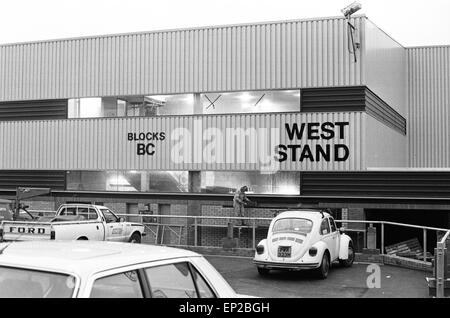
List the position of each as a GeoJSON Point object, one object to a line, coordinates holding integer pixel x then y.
{"type": "Point", "coordinates": [33, 110]}
{"type": "Point", "coordinates": [11, 179]}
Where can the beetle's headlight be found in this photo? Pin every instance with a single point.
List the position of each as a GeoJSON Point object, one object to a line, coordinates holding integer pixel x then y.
{"type": "Point", "coordinates": [313, 251]}
{"type": "Point", "coordinates": [260, 249]}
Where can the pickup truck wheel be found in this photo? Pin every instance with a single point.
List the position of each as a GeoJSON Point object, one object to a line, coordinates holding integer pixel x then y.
{"type": "Point", "coordinates": [324, 268]}
{"type": "Point", "coordinates": [351, 257]}
{"type": "Point", "coordinates": [263, 271]}
{"type": "Point", "coordinates": [83, 238]}
{"type": "Point", "coordinates": [135, 238]}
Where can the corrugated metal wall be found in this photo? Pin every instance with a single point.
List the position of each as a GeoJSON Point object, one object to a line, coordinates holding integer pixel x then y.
{"type": "Point", "coordinates": [385, 147]}
{"type": "Point", "coordinates": [385, 67]}
{"type": "Point", "coordinates": [308, 53]}
{"type": "Point", "coordinates": [102, 144]}
{"type": "Point", "coordinates": [429, 107]}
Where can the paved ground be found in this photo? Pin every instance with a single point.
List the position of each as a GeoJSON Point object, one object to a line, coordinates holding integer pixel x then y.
{"type": "Point", "coordinates": [341, 282]}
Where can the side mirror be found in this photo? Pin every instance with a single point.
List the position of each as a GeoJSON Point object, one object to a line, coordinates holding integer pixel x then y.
{"type": "Point", "coordinates": [341, 230]}
{"type": "Point", "coordinates": [121, 220]}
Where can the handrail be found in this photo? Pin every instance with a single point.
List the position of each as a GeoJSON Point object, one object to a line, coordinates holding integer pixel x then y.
{"type": "Point", "coordinates": [207, 217]}
{"type": "Point", "coordinates": [445, 237]}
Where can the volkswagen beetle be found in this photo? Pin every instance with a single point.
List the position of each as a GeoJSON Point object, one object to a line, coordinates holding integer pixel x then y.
{"type": "Point", "coordinates": [306, 239]}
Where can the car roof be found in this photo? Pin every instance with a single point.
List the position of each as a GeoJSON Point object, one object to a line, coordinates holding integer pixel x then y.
{"type": "Point", "coordinates": [309, 214]}
{"type": "Point", "coordinates": [83, 205]}
{"type": "Point", "coordinates": [84, 257]}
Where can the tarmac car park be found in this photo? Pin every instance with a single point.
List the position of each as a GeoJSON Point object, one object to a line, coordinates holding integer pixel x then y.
{"type": "Point", "coordinates": [71, 222]}
{"type": "Point", "coordinates": [106, 270]}
{"type": "Point", "coordinates": [306, 239]}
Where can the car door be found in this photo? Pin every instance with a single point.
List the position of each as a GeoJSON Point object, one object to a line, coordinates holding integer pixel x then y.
{"type": "Point", "coordinates": [177, 280]}
{"type": "Point", "coordinates": [335, 236]}
{"type": "Point", "coordinates": [327, 237]}
{"type": "Point", "coordinates": [125, 284]}
{"type": "Point", "coordinates": [91, 215]}
{"type": "Point", "coordinates": [114, 229]}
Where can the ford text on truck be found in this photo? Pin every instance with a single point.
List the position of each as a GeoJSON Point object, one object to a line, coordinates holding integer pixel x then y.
{"type": "Point", "coordinates": [72, 222]}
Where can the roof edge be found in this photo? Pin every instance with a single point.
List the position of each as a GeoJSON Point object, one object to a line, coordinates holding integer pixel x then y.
{"type": "Point", "coordinates": [100, 36]}
{"type": "Point", "coordinates": [444, 46]}
{"type": "Point", "coordinates": [387, 34]}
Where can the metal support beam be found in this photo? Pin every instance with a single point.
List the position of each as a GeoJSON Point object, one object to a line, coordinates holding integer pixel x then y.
{"type": "Point", "coordinates": [440, 264]}
{"type": "Point", "coordinates": [195, 232]}
{"type": "Point", "coordinates": [254, 234]}
{"type": "Point", "coordinates": [424, 245]}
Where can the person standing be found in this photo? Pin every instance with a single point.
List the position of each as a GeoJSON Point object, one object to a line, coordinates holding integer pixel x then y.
{"type": "Point", "coordinates": [240, 200]}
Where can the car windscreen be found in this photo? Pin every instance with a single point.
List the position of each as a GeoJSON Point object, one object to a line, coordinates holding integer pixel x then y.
{"type": "Point", "coordinates": [26, 283]}
{"type": "Point", "coordinates": [295, 225]}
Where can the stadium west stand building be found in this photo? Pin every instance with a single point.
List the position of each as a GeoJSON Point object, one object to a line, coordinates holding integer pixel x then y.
{"type": "Point", "coordinates": [125, 120]}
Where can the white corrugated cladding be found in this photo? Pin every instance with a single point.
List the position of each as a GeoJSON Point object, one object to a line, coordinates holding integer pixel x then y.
{"type": "Point", "coordinates": [308, 53]}
{"type": "Point", "coordinates": [385, 67]}
{"type": "Point", "coordinates": [102, 144]}
{"type": "Point", "coordinates": [429, 107]}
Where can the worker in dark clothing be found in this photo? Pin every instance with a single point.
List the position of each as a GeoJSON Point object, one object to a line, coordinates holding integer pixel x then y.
{"type": "Point", "coordinates": [240, 200]}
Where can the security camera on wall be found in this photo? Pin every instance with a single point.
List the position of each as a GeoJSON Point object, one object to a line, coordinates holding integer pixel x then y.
{"type": "Point", "coordinates": [351, 9]}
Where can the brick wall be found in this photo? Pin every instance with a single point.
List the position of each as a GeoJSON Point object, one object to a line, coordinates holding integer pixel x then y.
{"type": "Point", "coordinates": [40, 205]}
{"type": "Point", "coordinates": [213, 236]}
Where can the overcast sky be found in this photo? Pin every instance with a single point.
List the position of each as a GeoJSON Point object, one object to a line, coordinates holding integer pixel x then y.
{"type": "Point", "coordinates": [411, 22]}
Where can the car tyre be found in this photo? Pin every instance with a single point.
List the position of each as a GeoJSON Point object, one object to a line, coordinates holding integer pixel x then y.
{"type": "Point", "coordinates": [351, 257]}
{"type": "Point", "coordinates": [263, 271]}
{"type": "Point", "coordinates": [135, 238]}
{"type": "Point", "coordinates": [324, 268]}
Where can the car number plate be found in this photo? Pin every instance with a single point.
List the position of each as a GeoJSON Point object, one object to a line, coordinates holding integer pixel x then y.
{"type": "Point", "coordinates": [284, 251]}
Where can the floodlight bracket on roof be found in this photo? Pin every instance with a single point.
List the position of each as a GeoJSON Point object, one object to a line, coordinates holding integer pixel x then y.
{"type": "Point", "coordinates": [347, 12]}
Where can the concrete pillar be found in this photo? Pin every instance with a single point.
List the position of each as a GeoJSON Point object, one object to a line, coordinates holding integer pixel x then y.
{"type": "Point", "coordinates": [145, 181]}
{"type": "Point", "coordinates": [357, 229]}
{"type": "Point", "coordinates": [194, 208]}
{"type": "Point", "coordinates": [109, 107]}
{"type": "Point", "coordinates": [198, 106]}
{"type": "Point", "coordinates": [448, 220]}
{"type": "Point", "coordinates": [195, 181]}
{"type": "Point", "coordinates": [371, 238]}
{"type": "Point", "coordinates": [133, 208]}
{"type": "Point", "coordinates": [356, 215]}
{"type": "Point", "coordinates": [77, 108]}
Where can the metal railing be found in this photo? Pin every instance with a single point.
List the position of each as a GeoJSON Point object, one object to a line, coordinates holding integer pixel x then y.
{"type": "Point", "coordinates": [159, 225]}
{"type": "Point", "coordinates": [383, 224]}
{"type": "Point", "coordinates": [253, 222]}
{"type": "Point", "coordinates": [440, 265]}
{"type": "Point", "coordinates": [178, 225]}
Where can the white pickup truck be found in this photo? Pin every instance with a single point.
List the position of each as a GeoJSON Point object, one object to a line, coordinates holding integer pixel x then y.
{"type": "Point", "coordinates": [73, 222]}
